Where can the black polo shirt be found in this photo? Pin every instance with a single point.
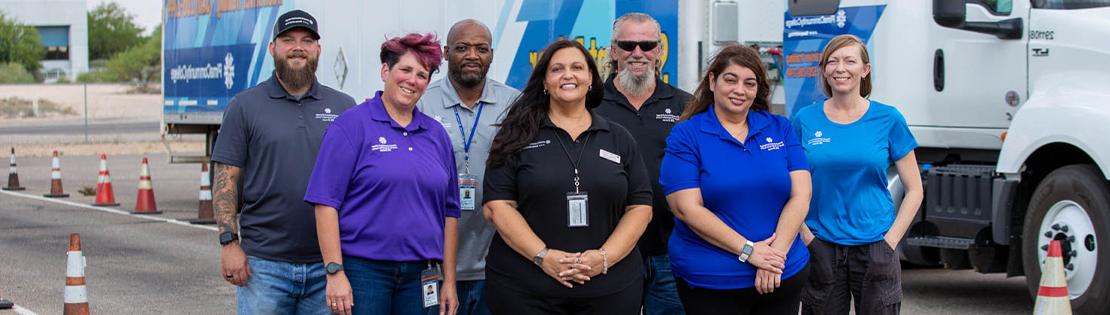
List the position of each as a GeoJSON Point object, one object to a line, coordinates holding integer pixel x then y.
{"type": "Point", "coordinates": [273, 137]}
{"type": "Point", "coordinates": [539, 177]}
{"type": "Point", "coordinates": [650, 126]}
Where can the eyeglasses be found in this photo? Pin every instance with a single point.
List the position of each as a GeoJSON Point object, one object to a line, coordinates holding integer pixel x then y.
{"type": "Point", "coordinates": [629, 45]}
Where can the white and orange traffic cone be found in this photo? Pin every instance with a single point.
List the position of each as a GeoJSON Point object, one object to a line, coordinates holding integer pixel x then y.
{"type": "Point", "coordinates": [204, 208]}
{"type": "Point", "coordinates": [76, 294]}
{"type": "Point", "coordinates": [1052, 297]}
{"type": "Point", "coordinates": [145, 204]}
{"type": "Point", "coordinates": [56, 179]}
{"type": "Point", "coordinates": [105, 197]}
{"type": "Point", "coordinates": [13, 175]}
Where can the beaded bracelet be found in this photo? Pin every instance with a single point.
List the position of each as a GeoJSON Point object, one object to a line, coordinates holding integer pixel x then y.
{"type": "Point", "coordinates": [604, 260]}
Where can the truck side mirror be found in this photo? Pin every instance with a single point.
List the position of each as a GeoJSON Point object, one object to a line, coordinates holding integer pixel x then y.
{"type": "Point", "coordinates": [953, 14]}
{"type": "Point", "coordinates": [949, 13]}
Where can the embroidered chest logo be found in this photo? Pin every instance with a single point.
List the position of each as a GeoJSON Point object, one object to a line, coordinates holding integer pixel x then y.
{"type": "Point", "coordinates": [818, 139]}
{"type": "Point", "coordinates": [667, 116]}
{"type": "Point", "coordinates": [536, 144]}
{"type": "Point", "coordinates": [327, 116]}
{"type": "Point", "coordinates": [383, 146]}
{"type": "Point", "coordinates": [439, 119]}
{"type": "Point", "coordinates": [771, 145]}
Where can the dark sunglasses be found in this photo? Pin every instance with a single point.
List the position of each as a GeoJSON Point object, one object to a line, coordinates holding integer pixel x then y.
{"type": "Point", "coordinates": [628, 45]}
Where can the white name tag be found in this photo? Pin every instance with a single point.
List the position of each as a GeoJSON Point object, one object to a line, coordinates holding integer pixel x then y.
{"type": "Point", "coordinates": [610, 156]}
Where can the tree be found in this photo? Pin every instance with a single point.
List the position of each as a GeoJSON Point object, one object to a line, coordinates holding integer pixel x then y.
{"type": "Point", "coordinates": [141, 63]}
{"type": "Point", "coordinates": [20, 44]}
{"type": "Point", "coordinates": [111, 30]}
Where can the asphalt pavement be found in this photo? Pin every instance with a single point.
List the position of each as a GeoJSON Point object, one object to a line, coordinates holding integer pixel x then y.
{"type": "Point", "coordinates": [144, 265]}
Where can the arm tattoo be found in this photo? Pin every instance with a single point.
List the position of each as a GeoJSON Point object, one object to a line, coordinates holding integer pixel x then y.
{"type": "Point", "coordinates": [226, 196]}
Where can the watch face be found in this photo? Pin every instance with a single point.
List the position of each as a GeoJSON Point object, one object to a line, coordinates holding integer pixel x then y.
{"type": "Point", "coordinates": [226, 237]}
{"type": "Point", "coordinates": [332, 268]}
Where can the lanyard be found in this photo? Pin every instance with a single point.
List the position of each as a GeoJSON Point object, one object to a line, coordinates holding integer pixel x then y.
{"type": "Point", "coordinates": [473, 130]}
{"type": "Point", "coordinates": [574, 162]}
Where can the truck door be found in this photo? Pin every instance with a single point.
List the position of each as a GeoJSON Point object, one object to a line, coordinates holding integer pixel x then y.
{"type": "Point", "coordinates": [979, 78]}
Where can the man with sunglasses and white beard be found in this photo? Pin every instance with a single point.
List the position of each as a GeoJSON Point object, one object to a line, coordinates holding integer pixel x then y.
{"type": "Point", "coordinates": [637, 99]}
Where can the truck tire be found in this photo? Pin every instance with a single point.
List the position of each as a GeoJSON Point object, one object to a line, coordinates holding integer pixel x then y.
{"type": "Point", "coordinates": [1072, 204]}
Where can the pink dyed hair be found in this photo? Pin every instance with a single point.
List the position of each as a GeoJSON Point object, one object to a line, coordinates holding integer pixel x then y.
{"type": "Point", "coordinates": [425, 47]}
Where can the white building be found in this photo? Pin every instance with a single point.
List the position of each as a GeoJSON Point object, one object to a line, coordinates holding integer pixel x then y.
{"type": "Point", "coordinates": [63, 28]}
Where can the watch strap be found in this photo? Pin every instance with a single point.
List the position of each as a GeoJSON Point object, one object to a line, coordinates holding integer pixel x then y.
{"type": "Point", "coordinates": [746, 251]}
{"type": "Point", "coordinates": [538, 259]}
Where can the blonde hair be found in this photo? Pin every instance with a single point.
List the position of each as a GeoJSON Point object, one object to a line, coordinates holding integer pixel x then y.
{"type": "Point", "coordinates": [838, 43]}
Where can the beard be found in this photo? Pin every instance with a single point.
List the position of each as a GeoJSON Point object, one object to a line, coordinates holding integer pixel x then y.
{"type": "Point", "coordinates": [467, 80]}
{"type": "Point", "coordinates": [635, 84]}
{"type": "Point", "coordinates": [296, 78]}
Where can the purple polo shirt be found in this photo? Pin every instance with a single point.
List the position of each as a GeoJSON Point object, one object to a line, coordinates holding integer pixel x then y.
{"type": "Point", "coordinates": [393, 185]}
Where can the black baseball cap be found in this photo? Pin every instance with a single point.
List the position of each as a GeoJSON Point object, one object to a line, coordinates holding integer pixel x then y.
{"type": "Point", "coordinates": [296, 19]}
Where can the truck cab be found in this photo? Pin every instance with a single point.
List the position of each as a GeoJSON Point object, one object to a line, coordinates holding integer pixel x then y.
{"type": "Point", "coordinates": [1008, 101]}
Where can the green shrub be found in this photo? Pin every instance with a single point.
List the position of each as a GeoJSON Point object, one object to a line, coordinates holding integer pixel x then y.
{"type": "Point", "coordinates": [15, 73]}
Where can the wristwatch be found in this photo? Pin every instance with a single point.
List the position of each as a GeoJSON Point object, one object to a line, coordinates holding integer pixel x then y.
{"type": "Point", "coordinates": [538, 259]}
{"type": "Point", "coordinates": [746, 251]}
{"type": "Point", "coordinates": [227, 238]}
{"type": "Point", "coordinates": [333, 268]}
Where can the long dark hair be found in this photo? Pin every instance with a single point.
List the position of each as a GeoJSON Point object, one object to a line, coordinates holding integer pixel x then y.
{"type": "Point", "coordinates": [729, 55]}
{"type": "Point", "coordinates": [529, 110]}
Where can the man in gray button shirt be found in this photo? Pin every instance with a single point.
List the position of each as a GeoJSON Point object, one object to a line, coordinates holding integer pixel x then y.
{"type": "Point", "coordinates": [469, 105]}
{"type": "Point", "coordinates": [268, 142]}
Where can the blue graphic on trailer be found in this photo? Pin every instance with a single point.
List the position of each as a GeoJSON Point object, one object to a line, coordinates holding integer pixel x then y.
{"type": "Point", "coordinates": [590, 22]}
{"type": "Point", "coordinates": [210, 57]}
{"type": "Point", "coordinates": [804, 38]}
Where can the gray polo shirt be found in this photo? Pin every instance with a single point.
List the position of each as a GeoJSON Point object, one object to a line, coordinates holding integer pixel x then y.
{"type": "Point", "coordinates": [273, 138]}
{"type": "Point", "coordinates": [440, 101]}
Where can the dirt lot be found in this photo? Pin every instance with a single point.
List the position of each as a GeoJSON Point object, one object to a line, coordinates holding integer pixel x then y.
{"type": "Point", "coordinates": [119, 122]}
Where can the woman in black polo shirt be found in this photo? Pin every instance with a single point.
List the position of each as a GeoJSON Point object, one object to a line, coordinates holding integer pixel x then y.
{"type": "Point", "coordinates": [569, 196]}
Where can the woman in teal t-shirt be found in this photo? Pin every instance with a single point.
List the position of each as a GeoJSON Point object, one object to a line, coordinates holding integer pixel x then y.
{"type": "Point", "coordinates": [853, 228]}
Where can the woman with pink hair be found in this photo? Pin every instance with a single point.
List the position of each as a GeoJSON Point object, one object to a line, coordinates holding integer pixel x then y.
{"type": "Point", "coordinates": [386, 195]}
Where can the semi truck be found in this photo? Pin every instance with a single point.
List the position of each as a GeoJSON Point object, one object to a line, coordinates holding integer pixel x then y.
{"type": "Point", "coordinates": [1009, 101]}
{"type": "Point", "coordinates": [213, 49]}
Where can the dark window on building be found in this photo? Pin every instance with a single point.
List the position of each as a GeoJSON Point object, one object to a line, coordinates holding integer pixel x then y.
{"type": "Point", "coordinates": [56, 41]}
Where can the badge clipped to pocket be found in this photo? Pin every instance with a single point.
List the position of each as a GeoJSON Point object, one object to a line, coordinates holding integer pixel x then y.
{"type": "Point", "coordinates": [578, 209]}
{"type": "Point", "coordinates": [429, 285]}
{"type": "Point", "coordinates": [468, 191]}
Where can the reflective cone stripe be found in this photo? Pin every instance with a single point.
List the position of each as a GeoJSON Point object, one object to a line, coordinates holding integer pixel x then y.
{"type": "Point", "coordinates": [56, 179]}
{"type": "Point", "coordinates": [145, 204]}
{"type": "Point", "coordinates": [104, 194]}
{"type": "Point", "coordinates": [76, 297]}
{"type": "Point", "coordinates": [13, 175]}
{"type": "Point", "coordinates": [1052, 296]}
{"type": "Point", "coordinates": [204, 207]}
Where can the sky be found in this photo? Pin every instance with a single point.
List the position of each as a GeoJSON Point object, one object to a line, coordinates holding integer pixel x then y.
{"type": "Point", "coordinates": [147, 13]}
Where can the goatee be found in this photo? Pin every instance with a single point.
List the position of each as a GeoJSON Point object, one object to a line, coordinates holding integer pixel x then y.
{"type": "Point", "coordinates": [634, 84]}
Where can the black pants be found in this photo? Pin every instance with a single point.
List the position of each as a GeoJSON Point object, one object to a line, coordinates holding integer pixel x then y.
{"type": "Point", "coordinates": [870, 274]}
{"type": "Point", "coordinates": [784, 300]}
{"type": "Point", "coordinates": [502, 299]}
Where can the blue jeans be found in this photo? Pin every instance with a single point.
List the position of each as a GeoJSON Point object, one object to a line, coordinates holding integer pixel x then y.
{"type": "Point", "coordinates": [660, 291]}
{"type": "Point", "coordinates": [385, 287]}
{"type": "Point", "coordinates": [278, 287]}
{"type": "Point", "coordinates": [470, 297]}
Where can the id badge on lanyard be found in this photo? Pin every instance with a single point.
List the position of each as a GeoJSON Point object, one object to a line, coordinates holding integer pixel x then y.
{"type": "Point", "coordinates": [429, 285]}
{"type": "Point", "coordinates": [468, 184]}
{"type": "Point", "coordinates": [578, 209]}
{"type": "Point", "coordinates": [468, 191]}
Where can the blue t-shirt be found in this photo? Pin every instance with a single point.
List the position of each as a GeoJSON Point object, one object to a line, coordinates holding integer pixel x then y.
{"type": "Point", "coordinates": [851, 204]}
{"type": "Point", "coordinates": [745, 184]}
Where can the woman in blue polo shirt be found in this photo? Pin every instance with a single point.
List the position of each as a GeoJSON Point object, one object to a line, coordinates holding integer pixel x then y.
{"type": "Point", "coordinates": [853, 226]}
{"type": "Point", "coordinates": [737, 180]}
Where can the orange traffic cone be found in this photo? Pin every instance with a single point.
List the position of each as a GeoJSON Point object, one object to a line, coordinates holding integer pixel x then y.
{"type": "Point", "coordinates": [104, 195]}
{"type": "Point", "coordinates": [144, 204]}
{"type": "Point", "coordinates": [204, 209]}
{"type": "Point", "coordinates": [1052, 297]}
{"type": "Point", "coordinates": [56, 179]}
{"type": "Point", "coordinates": [76, 295]}
{"type": "Point", "coordinates": [13, 176]}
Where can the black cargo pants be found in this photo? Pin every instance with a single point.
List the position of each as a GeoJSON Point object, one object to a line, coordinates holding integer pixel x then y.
{"type": "Point", "coordinates": [869, 274]}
